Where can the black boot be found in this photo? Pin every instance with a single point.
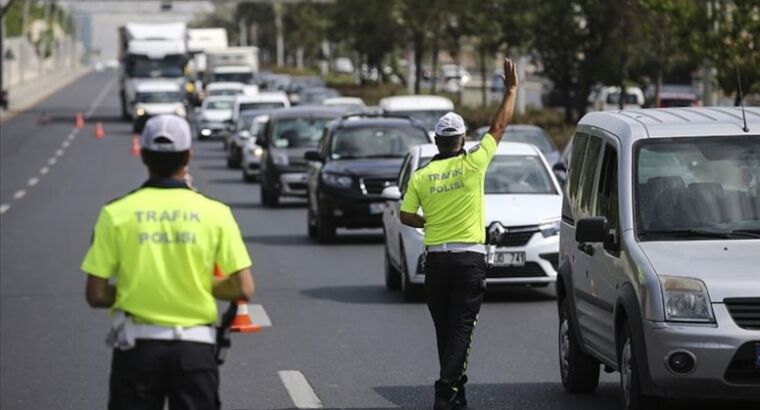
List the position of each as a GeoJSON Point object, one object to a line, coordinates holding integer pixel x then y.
{"type": "Point", "coordinates": [445, 394]}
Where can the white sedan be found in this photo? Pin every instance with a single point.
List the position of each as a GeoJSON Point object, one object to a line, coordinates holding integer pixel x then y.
{"type": "Point", "coordinates": [521, 193]}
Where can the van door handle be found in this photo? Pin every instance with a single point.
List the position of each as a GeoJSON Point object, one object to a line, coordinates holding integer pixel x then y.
{"type": "Point", "coordinates": [586, 248]}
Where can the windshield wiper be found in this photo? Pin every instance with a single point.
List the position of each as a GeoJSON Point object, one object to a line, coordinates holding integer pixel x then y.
{"type": "Point", "coordinates": [750, 233]}
{"type": "Point", "coordinates": [688, 233]}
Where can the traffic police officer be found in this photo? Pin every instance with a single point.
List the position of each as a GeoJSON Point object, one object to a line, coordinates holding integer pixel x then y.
{"type": "Point", "coordinates": [450, 191]}
{"type": "Point", "coordinates": [158, 246]}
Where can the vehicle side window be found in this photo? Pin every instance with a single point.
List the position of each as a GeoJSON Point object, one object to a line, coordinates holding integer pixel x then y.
{"type": "Point", "coordinates": [607, 196]}
{"type": "Point", "coordinates": [403, 177]}
{"type": "Point", "coordinates": [574, 173]}
{"type": "Point", "coordinates": [584, 204]}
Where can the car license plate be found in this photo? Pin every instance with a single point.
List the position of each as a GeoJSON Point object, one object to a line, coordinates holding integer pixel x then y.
{"type": "Point", "coordinates": [376, 208]}
{"type": "Point", "coordinates": [509, 259]}
{"type": "Point", "coordinates": [757, 355]}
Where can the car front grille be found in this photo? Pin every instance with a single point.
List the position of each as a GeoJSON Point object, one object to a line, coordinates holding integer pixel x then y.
{"type": "Point", "coordinates": [516, 235]}
{"type": "Point", "coordinates": [742, 369]}
{"type": "Point", "coordinates": [530, 270]}
{"type": "Point", "coordinates": [375, 186]}
{"type": "Point", "coordinates": [745, 312]}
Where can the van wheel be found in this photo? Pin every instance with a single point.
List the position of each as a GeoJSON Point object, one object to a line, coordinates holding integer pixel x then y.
{"type": "Point", "coordinates": [392, 275]}
{"type": "Point", "coordinates": [579, 371]}
{"type": "Point", "coordinates": [409, 291]}
{"type": "Point", "coordinates": [630, 380]}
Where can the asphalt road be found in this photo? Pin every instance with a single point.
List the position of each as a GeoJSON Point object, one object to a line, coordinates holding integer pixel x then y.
{"type": "Point", "coordinates": [336, 335]}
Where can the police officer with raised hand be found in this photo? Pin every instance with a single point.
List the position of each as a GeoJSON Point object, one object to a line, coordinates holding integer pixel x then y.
{"type": "Point", "coordinates": [151, 261]}
{"type": "Point", "coordinates": [450, 191]}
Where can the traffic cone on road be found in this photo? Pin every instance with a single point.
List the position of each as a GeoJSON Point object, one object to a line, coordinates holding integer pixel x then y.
{"type": "Point", "coordinates": [80, 121]}
{"type": "Point", "coordinates": [99, 132]}
{"type": "Point", "coordinates": [242, 322]}
{"type": "Point", "coordinates": [135, 146]}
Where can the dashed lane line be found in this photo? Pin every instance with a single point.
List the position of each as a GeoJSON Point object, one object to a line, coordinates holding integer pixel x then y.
{"type": "Point", "coordinates": [300, 391]}
{"type": "Point", "coordinates": [33, 181]}
{"type": "Point", "coordinates": [19, 194]}
{"type": "Point", "coordinates": [52, 161]}
{"type": "Point", "coordinates": [44, 170]}
{"type": "Point", "coordinates": [66, 143]}
{"type": "Point", "coordinates": [4, 208]}
{"type": "Point", "coordinates": [259, 316]}
{"type": "Point", "coordinates": [59, 153]}
{"type": "Point", "coordinates": [99, 98]}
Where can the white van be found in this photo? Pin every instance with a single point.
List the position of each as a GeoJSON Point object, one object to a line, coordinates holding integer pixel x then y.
{"type": "Point", "coordinates": [608, 99]}
{"type": "Point", "coordinates": [427, 109]}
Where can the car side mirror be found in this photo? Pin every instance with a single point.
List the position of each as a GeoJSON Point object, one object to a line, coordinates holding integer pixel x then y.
{"type": "Point", "coordinates": [391, 193]}
{"type": "Point", "coordinates": [313, 156]}
{"type": "Point", "coordinates": [594, 229]}
{"type": "Point", "coordinates": [560, 171]}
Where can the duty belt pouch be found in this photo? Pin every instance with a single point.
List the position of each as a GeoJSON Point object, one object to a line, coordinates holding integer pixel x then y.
{"type": "Point", "coordinates": [121, 335]}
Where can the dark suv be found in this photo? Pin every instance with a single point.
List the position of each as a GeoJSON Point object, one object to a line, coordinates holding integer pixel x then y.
{"type": "Point", "coordinates": [358, 157]}
{"type": "Point", "coordinates": [288, 135]}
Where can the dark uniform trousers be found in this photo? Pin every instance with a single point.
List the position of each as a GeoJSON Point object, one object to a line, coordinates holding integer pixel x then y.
{"type": "Point", "coordinates": [185, 373]}
{"type": "Point", "coordinates": [454, 285]}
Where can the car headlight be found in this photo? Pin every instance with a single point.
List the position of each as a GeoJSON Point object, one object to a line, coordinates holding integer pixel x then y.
{"type": "Point", "coordinates": [280, 159]}
{"type": "Point", "coordinates": [256, 151]}
{"type": "Point", "coordinates": [686, 300]}
{"type": "Point", "coordinates": [336, 180]}
{"type": "Point", "coordinates": [549, 228]}
{"type": "Point", "coordinates": [140, 112]}
{"type": "Point", "coordinates": [205, 132]}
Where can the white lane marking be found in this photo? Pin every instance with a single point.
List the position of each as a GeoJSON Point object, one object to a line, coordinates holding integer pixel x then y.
{"type": "Point", "coordinates": [259, 316]}
{"type": "Point", "coordinates": [59, 153]}
{"type": "Point", "coordinates": [33, 181]}
{"type": "Point", "coordinates": [44, 170]}
{"type": "Point", "coordinates": [4, 208]}
{"type": "Point", "coordinates": [65, 144]}
{"type": "Point", "coordinates": [19, 194]}
{"type": "Point", "coordinates": [52, 161]}
{"type": "Point", "coordinates": [99, 99]}
{"type": "Point", "coordinates": [300, 391]}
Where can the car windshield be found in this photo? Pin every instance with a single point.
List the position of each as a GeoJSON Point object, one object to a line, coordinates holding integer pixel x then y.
{"type": "Point", "coordinates": [428, 118]}
{"type": "Point", "coordinates": [219, 105]}
{"type": "Point", "coordinates": [298, 132]}
{"type": "Point", "coordinates": [138, 66]}
{"type": "Point", "coordinates": [228, 91]}
{"type": "Point", "coordinates": [245, 78]}
{"type": "Point", "coordinates": [698, 188]}
{"type": "Point", "coordinates": [516, 174]}
{"type": "Point", "coordinates": [244, 123]}
{"type": "Point", "coordinates": [376, 142]}
{"type": "Point", "coordinates": [317, 96]}
{"type": "Point", "coordinates": [533, 136]}
{"type": "Point", "coordinates": [160, 97]}
{"type": "Point", "coordinates": [256, 106]}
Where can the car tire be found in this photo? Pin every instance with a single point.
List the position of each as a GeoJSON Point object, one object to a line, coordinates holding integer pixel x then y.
{"type": "Point", "coordinates": [579, 371]}
{"type": "Point", "coordinates": [269, 197]}
{"type": "Point", "coordinates": [230, 161]}
{"type": "Point", "coordinates": [409, 291]}
{"type": "Point", "coordinates": [248, 177]}
{"type": "Point", "coordinates": [392, 275]}
{"type": "Point", "coordinates": [311, 223]}
{"type": "Point", "coordinates": [631, 394]}
{"type": "Point", "coordinates": [325, 229]}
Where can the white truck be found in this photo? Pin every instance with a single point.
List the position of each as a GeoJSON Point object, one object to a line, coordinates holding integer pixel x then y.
{"type": "Point", "coordinates": [201, 41]}
{"type": "Point", "coordinates": [237, 64]}
{"type": "Point", "coordinates": [150, 51]}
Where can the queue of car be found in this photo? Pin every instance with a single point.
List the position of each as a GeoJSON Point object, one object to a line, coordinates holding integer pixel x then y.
{"type": "Point", "coordinates": [648, 223]}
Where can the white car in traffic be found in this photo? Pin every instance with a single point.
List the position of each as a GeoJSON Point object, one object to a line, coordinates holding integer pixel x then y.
{"type": "Point", "coordinates": [426, 109]}
{"type": "Point", "coordinates": [521, 193]}
{"type": "Point", "coordinates": [157, 97]}
{"type": "Point", "coordinates": [214, 115]}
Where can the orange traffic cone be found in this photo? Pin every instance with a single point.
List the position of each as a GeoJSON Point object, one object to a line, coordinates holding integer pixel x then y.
{"type": "Point", "coordinates": [80, 120]}
{"type": "Point", "coordinates": [99, 132]}
{"type": "Point", "coordinates": [136, 153]}
{"type": "Point", "coordinates": [242, 322]}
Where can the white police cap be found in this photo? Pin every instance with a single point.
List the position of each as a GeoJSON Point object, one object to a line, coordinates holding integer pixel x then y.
{"type": "Point", "coordinates": [450, 124]}
{"type": "Point", "coordinates": [166, 133]}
